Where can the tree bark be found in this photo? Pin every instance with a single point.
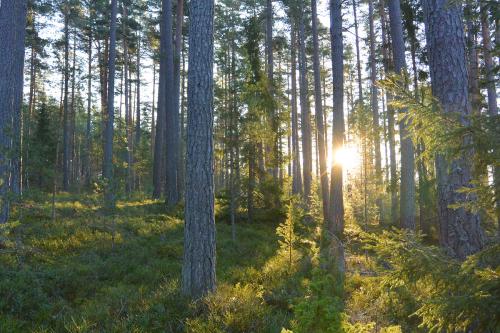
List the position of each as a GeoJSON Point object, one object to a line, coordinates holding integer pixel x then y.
{"type": "Point", "coordinates": [305, 111]}
{"type": "Point", "coordinates": [297, 173]}
{"type": "Point", "coordinates": [171, 113]}
{"type": "Point", "coordinates": [12, 31]}
{"type": "Point", "coordinates": [407, 191]}
{"type": "Point", "coordinates": [358, 55]}
{"type": "Point", "coordinates": [66, 115]}
{"type": "Point", "coordinates": [109, 130]}
{"type": "Point", "coordinates": [198, 270]}
{"type": "Point", "coordinates": [177, 63]}
{"type": "Point", "coordinates": [492, 95]}
{"type": "Point", "coordinates": [375, 112]}
{"type": "Point", "coordinates": [336, 221]}
{"type": "Point", "coordinates": [460, 230]}
{"type": "Point", "coordinates": [325, 191]}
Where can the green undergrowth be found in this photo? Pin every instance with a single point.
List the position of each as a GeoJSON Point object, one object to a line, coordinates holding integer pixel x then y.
{"type": "Point", "coordinates": [87, 272]}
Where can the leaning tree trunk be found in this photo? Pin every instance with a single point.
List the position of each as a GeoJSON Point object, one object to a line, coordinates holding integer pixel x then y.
{"type": "Point", "coordinates": [407, 195]}
{"type": "Point", "coordinates": [198, 270]}
{"type": "Point", "coordinates": [109, 130]}
{"type": "Point", "coordinates": [460, 230]}
{"type": "Point", "coordinates": [12, 32]}
{"type": "Point", "coordinates": [325, 191]}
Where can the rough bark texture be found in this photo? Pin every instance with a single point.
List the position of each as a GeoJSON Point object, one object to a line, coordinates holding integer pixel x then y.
{"type": "Point", "coordinates": [407, 195]}
{"type": "Point", "coordinates": [460, 230]}
{"type": "Point", "coordinates": [336, 221]}
{"type": "Point", "coordinates": [475, 93]}
{"type": "Point", "coordinates": [171, 113]}
{"type": "Point", "coordinates": [179, 22]}
{"type": "Point", "coordinates": [325, 192]}
{"type": "Point", "coordinates": [12, 32]}
{"type": "Point", "coordinates": [109, 130]}
{"type": "Point", "coordinates": [305, 109]}
{"type": "Point", "coordinates": [198, 270]}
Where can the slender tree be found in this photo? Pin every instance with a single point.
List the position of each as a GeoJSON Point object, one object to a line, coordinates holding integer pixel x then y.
{"type": "Point", "coordinates": [109, 130]}
{"type": "Point", "coordinates": [305, 111]}
{"type": "Point", "coordinates": [179, 23]}
{"type": "Point", "coordinates": [336, 221]}
{"type": "Point", "coordinates": [297, 175]}
{"type": "Point", "coordinates": [171, 113]}
{"type": "Point", "coordinates": [325, 191]}
{"type": "Point", "coordinates": [374, 107]}
{"type": "Point", "coordinates": [407, 192]}
{"type": "Point", "coordinates": [66, 115]}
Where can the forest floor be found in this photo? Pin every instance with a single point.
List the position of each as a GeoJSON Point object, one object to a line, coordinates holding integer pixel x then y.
{"type": "Point", "coordinates": [85, 272]}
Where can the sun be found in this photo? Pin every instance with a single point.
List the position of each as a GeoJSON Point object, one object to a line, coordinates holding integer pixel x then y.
{"type": "Point", "coordinates": [348, 156]}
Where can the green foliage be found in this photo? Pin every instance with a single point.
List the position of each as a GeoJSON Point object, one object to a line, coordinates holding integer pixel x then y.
{"type": "Point", "coordinates": [472, 137]}
{"type": "Point", "coordinates": [287, 234]}
{"type": "Point", "coordinates": [87, 273]}
{"type": "Point", "coordinates": [232, 309]}
{"type": "Point", "coordinates": [438, 291]}
{"type": "Point", "coordinates": [321, 308]}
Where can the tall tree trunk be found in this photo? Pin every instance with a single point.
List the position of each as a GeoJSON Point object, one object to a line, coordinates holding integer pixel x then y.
{"type": "Point", "coordinates": [72, 160]}
{"type": "Point", "coordinates": [375, 114]}
{"type": "Point", "coordinates": [88, 142]}
{"type": "Point", "coordinates": [304, 108]}
{"type": "Point", "coordinates": [274, 151]}
{"type": "Point", "coordinates": [336, 221]}
{"type": "Point", "coordinates": [358, 54]}
{"type": "Point", "coordinates": [66, 115]}
{"type": "Point", "coordinates": [198, 270]}
{"type": "Point", "coordinates": [475, 93]}
{"type": "Point", "coordinates": [325, 191]}
{"type": "Point", "coordinates": [460, 230]}
{"type": "Point", "coordinates": [138, 133]}
{"type": "Point", "coordinates": [171, 113]}
{"type": "Point", "coordinates": [109, 130]}
{"type": "Point", "coordinates": [407, 191]}
{"type": "Point", "coordinates": [12, 31]}
{"type": "Point", "coordinates": [128, 106]}
{"type": "Point", "coordinates": [153, 125]}
{"type": "Point", "coordinates": [297, 174]}
{"type": "Point", "coordinates": [492, 95]}
{"type": "Point", "coordinates": [390, 118]}
{"type": "Point", "coordinates": [177, 63]}
{"type": "Point", "coordinates": [160, 140]}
